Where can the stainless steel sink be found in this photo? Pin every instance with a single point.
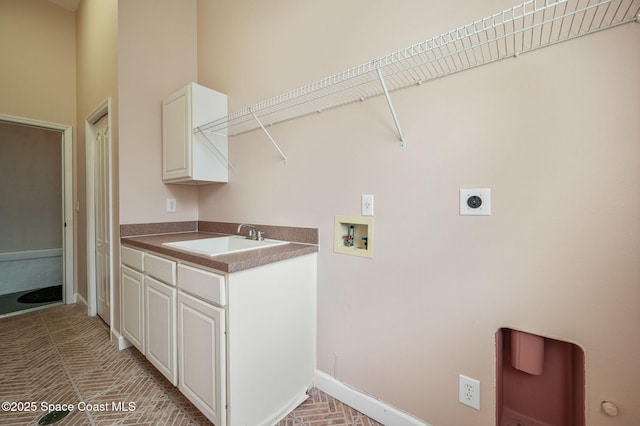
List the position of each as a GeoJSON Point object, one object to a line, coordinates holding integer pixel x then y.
{"type": "Point", "coordinates": [223, 245]}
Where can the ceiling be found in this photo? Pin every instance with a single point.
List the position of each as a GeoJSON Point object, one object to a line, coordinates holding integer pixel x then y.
{"type": "Point", "coordinates": [71, 5]}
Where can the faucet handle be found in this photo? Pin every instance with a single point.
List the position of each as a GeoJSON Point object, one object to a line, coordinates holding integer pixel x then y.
{"type": "Point", "coordinates": [260, 236]}
{"type": "Point", "coordinates": [252, 230]}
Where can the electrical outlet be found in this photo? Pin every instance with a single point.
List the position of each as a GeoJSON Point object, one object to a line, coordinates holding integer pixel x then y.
{"type": "Point", "coordinates": [475, 202]}
{"type": "Point", "coordinates": [367, 205]}
{"type": "Point", "coordinates": [469, 391]}
{"type": "Point", "coordinates": [171, 205]}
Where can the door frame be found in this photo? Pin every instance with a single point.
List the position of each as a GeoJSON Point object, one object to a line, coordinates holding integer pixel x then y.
{"type": "Point", "coordinates": [92, 306]}
{"type": "Point", "coordinates": [68, 277]}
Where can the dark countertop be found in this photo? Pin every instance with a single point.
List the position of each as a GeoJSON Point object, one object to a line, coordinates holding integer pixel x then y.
{"type": "Point", "coordinates": [232, 262]}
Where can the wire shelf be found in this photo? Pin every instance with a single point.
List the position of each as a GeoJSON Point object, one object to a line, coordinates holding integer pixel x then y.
{"type": "Point", "coordinates": [522, 28]}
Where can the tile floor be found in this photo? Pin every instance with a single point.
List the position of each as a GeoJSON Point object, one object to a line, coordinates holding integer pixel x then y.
{"type": "Point", "coordinates": [59, 355]}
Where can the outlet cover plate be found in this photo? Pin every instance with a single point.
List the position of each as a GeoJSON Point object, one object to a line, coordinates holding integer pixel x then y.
{"type": "Point", "coordinates": [469, 391]}
{"type": "Point", "coordinates": [475, 202]}
{"type": "Point", "coordinates": [171, 205]}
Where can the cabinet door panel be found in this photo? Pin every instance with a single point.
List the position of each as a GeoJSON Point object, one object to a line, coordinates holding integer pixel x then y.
{"type": "Point", "coordinates": [187, 157]}
{"type": "Point", "coordinates": [160, 319]}
{"type": "Point", "coordinates": [176, 129]}
{"type": "Point", "coordinates": [201, 355]}
{"type": "Point", "coordinates": [133, 307]}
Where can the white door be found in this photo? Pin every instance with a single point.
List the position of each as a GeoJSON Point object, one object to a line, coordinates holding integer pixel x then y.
{"type": "Point", "coordinates": [102, 222]}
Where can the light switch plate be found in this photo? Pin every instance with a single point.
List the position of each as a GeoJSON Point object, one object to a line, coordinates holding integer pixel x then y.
{"type": "Point", "coordinates": [171, 205]}
{"type": "Point", "coordinates": [475, 202]}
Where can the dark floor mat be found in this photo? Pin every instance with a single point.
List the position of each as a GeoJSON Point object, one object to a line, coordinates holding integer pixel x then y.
{"type": "Point", "coordinates": [52, 417]}
{"type": "Point", "coordinates": [47, 294]}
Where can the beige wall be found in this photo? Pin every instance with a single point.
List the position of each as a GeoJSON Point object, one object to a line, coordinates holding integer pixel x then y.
{"type": "Point", "coordinates": [157, 55]}
{"type": "Point", "coordinates": [97, 69]}
{"type": "Point", "coordinates": [30, 188]}
{"type": "Point", "coordinates": [37, 41]}
{"type": "Point", "coordinates": [38, 63]}
{"type": "Point", "coordinates": [549, 132]}
{"type": "Point", "coordinates": [554, 133]}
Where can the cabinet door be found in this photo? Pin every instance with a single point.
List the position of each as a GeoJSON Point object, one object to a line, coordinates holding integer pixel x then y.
{"type": "Point", "coordinates": [188, 157]}
{"type": "Point", "coordinates": [132, 285]}
{"type": "Point", "coordinates": [160, 330]}
{"type": "Point", "coordinates": [176, 135]}
{"type": "Point", "coordinates": [202, 356]}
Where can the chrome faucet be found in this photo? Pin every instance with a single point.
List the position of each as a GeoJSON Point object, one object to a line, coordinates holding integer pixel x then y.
{"type": "Point", "coordinates": [253, 233]}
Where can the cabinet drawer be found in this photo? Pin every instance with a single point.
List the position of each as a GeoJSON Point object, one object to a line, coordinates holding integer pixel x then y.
{"type": "Point", "coordinates": [132, 258]}
{"type": "Point", "coordinates": [203, 284]}
{"type": "Point", "coordinates": [160, 269]}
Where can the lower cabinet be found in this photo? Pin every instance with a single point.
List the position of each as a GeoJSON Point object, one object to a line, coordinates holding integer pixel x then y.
{"type": "Point", "coordinates": [160, 327]}
{"type": "Point", "coordinates": [240, 346]}
{"type": "Point", "coordinates": [132, 285]}
{"type": "Point", "coordinates": [201, 355]}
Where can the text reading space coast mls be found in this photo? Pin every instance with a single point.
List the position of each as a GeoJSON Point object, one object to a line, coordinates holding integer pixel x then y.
{"type": "Point", "coordinates": [79, 406]}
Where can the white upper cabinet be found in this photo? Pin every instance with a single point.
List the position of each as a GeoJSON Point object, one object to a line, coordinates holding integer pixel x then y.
{"type": "Point", "coordinates": [188, 155]}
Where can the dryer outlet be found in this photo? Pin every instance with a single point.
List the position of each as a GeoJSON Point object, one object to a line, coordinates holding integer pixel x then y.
{"type": "Point", "coordinates": [475, 202]}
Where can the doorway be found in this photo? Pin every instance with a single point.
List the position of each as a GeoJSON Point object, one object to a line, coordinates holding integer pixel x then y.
{"type": "Point", "coordinates": [99, 217]}
{"type": "Point", "coordinates": [36, 248]}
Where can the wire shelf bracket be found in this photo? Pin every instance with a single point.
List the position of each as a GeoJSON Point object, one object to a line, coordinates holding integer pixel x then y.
{"type": "Point", "coordinates": [403, 143]}
{"type": "Point", "coordinates": [213, 148]}
{"type": "Point", "coordinates": [525, 27]}
{"type": "Point", "coordinates": [255, 117]}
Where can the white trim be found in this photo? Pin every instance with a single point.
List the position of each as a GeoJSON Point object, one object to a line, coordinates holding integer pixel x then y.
{"type": "Point", "coordinates": [69, 215]}
{"type": "Point", "coordinates": [90, 218]}
{"type": "Point", "coordinates": [119, 340]}
{"type": "Point", "coordinates": [67, 196]}
{"type": "Point", "coordinates": [25, 311]}
{"type": "Point", "coordinates": [80, 301]}
{"type": "Point", "coordinates": [30, 254]}
{"type": "Point", "coordinates": [378, 410]}
{"type": "Point", "coordinates": [99, 112]}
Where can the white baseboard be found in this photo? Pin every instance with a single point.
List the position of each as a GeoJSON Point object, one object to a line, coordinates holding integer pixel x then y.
{"type": "Point", "coordinates": [371, 407]}
{"type": "Point", "coordinates": [81, 301]}
{"type": "Point", "coordinates": [119, 340]}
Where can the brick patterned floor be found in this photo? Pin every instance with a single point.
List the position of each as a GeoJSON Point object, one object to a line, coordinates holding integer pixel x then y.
{"type": "Point", "coordinates": [60, 355]}
{"type": "Point", "coordinates": [320, 409]}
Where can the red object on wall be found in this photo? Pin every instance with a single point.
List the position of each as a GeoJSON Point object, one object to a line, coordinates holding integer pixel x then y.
{"type": "Point", "coordinates": [527, 352]}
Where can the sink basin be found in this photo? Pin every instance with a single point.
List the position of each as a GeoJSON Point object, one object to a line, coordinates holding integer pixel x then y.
{"type": "Point", "coordinates": [223, 245]}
